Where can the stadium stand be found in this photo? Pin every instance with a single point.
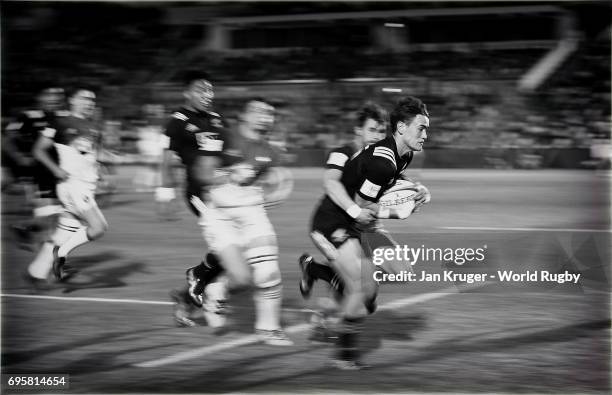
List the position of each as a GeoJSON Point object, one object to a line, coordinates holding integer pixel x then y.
{"type": "Point", "coordinates": [470, 85]}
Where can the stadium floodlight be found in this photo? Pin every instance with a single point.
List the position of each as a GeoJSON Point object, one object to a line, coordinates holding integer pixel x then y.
{"type": "Point", "coordinates": [392, 90]}
{"type": "Point", "coordinates": [389, 24]}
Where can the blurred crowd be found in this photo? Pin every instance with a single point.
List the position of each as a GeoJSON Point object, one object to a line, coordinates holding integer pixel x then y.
{"type": "Point", "coordinates": [470, 89]}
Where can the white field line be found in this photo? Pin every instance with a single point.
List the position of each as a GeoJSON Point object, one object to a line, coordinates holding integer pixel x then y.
{"type": "Point", "coordinates": [107, 300]}
{"type": "Point", "coordinates": [525, 229]}
{"type": "Point", "coordinates": [252, 339]}
{"type": "Point", "coordinates": [82, 299]}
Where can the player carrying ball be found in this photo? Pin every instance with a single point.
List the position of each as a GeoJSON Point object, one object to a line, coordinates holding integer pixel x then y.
{"type": "Point", "coordinates": [370, 127]}
{"type": "Point", "coordinates": [337, 232]}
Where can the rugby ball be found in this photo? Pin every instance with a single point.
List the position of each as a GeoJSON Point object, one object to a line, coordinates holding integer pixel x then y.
{"type": "Point", "coordinates": [400, 196]}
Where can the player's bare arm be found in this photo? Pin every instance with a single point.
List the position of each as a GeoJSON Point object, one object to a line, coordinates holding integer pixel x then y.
{"type": "Point", "coordinates": [166, 191]}
{"type": "Point", "coordinates": [10, 149]}
{"type": "Point", "coordinates": [337, 193]}
{"type": "Point", "coordinates": [167, 175]}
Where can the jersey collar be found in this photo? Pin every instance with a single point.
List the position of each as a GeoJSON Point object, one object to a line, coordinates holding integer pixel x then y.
{"type": "Point", "coordinates": [394, 144]}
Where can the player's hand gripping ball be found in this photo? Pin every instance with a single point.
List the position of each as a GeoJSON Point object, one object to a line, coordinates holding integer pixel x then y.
{"type": "Point", "coordinates": [423, 197]}
{"type": "Point", "coordinates": [400, 197]}
{"type": "Point", "coordinates": [277, 185]}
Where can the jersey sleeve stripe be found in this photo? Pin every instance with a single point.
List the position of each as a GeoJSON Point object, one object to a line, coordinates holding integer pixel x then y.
{"type": "Point", "coordinates": [386, 155]}
{"type": "Point", "coordinates": [384, 150]}
{"type": "Point", "coordinates": [337, 159]}
{"type": "Point", "coordinates": [180, 116]}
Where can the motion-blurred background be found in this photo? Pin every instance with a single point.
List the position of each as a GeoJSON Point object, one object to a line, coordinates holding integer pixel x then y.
{"type": "Point", "coordinates": [517, 158]}
{"type": "Point", "coordinates": [509, 84]}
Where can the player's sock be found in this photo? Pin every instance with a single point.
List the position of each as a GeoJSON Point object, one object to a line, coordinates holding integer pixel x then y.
{"type": "Point", "coordinates": [321, 272]}
{"type": "Point", "coordinates": [215, 303]}
{"type": "Point", "coordinates": [268, 307]}
{"type": "Point", "coordinates": [79, 238]}
{"type": "Point", "coordinates": [41, 265]}
{"type": "Point", "coordinates": [348, 338]}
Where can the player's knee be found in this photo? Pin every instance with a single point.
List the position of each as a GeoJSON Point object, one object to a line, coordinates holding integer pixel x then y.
{"type": "Point", "coordinates": [97, 229]}
{"type": "Point", "coordinates": [239, 275]}
{"type": "Point", "coordinates": [264, 261]}
{"type": "Point", "coordinates": [266, 274]}
{"type": "Point", "coordinates": [231, 259]}
{"type": "Point", "coordinates": [65, 229]}
{"type": "Point", "coordinates": [241, 280]}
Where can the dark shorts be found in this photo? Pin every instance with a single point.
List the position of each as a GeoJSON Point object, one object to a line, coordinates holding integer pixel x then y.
{"type": "Point", "coordinates": [38, 174]}
{"type": "Point", "coordinates": [336, 227]}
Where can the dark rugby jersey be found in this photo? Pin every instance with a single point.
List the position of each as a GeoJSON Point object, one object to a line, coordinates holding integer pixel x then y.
{"type": "Point", "coordinates": [370, 173]}
{"type": "Point", "coordinates": [195, 133]}
{"type": "Point", "coordinates": [77, 141]}
{"type": "Point", "coordinates": [81, 134]}
{"type": "Point", "coordinates": [258, 153]}
{"type": "Point", "coordinates": [338, 157]}
{"type": "Point", "coordinates": [26, 130]}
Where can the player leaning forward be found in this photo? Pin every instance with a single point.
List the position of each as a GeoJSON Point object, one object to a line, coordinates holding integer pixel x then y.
{"type": "Point", "coordinates": [76, 139]}
{"type": "Point", "coordinates": [223, 167]}
{"type": "Point", "coordinates": [336, 232]}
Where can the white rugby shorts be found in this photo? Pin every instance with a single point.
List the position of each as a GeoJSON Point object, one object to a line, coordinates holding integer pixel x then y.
{"type": "Point", "coordinates": [76, 197]}
{"type": "Point", "coordinates": [223, 227]}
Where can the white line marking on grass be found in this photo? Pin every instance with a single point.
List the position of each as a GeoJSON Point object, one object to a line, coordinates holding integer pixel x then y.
{"type": "Point", "coordinates": [202, 351]}
{"type": "Point", "coordinates": [526, 229]}
{"type": "Point", "coordinates": [82, 299]}
{"type": "Point", "coordinates": [253, 339]}
{"type": "Point", "coordinates": [107, 300]}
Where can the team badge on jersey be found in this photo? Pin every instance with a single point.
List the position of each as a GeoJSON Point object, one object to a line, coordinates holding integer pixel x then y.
{"type": "Point", "coordinates": [369, 189]}
{"type": "Point", "coordinates": [209, 142]}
